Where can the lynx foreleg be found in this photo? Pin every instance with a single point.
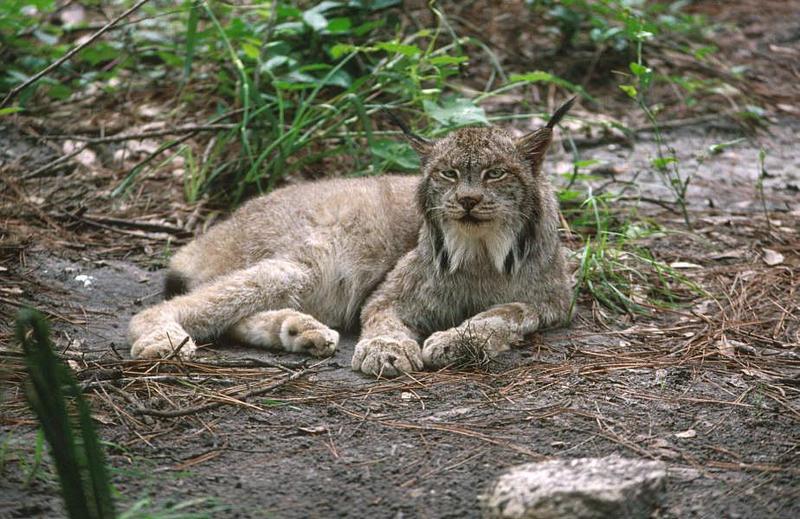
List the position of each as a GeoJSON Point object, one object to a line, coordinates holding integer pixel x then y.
{"type": "Point", "coordinates": [387, 347]}
{"type": "Point", "coordinates": [288, 330]}
{"type": "Point", "coordinates": [491, 332]}
{"type": "Point", "coordinates": [214, 307]}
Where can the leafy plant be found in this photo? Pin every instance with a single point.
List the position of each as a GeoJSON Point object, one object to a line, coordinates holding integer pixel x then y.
{"type": "Point", "coordinates": [621, 275]}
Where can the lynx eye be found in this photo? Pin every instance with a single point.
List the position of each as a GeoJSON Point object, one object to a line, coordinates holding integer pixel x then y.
{"type": "Point", "coordinates": [494, 174]}
{"type": "Point", "coordinates": [449, 174]}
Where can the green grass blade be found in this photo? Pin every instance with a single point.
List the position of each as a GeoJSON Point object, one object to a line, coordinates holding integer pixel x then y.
{"type": "Point", "coordinates": [191, 37]}
{"type": "Point", "coordinates": [56, 400]}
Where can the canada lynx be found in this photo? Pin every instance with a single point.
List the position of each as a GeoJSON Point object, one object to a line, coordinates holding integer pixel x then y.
{"type": "Point", "coordinates": [470, 247]}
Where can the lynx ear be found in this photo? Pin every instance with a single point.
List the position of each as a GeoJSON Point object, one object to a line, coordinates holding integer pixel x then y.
{"type": "Point", "coordinates": [420, 144]}
{"type": "Point", "coordinates": [533, 146]}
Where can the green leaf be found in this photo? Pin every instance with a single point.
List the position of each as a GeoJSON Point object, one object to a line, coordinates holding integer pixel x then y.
{"type": "Point", "coordinates": [339, 25]}
{"type": "Point", "coordinates": [568, 195]}
{"type": "Point", "coordinates": [368, 27]}
{"type": "Point", "coordinates": [315, 20]}
{"type": "Point", "coordinates": [250, 50]}
{"type": "Point", "coordinates": [455, 112]}
{"type": "Point", "coordinates": [398, 155]}
{"type": "Point", "coordinates": [277, 61]}
{"type": "Point", "coordinates": [99, 53]}
{"type": "Point", "coordinates": [448, 60]}
{"type": "Point", "coordinates": [585, 163]}
{"type": "Point", "coordinates": [58, 91]}
{"type": "Point", "coordinates": [10, 110]}
{"type": "Point", "coordinates": [630, 90]}
{"type": "Point", "coordinates": [533, 77]}
{"type": "Point", "coordinates": [399, 48]}
{"type": "Point", "coordinates": [644, 74]}
{"type": "Point", "coordinates": [663, 162]}
{"type": "Point", "coordinates": [340, 49]}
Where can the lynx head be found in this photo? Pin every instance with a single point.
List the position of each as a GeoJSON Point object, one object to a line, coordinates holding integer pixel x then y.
{"type": "Point", "coordinates": [484, 197]}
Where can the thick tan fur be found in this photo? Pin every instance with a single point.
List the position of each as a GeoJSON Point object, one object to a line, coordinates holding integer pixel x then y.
{"type": "Point", "coordinates": [469, 248]}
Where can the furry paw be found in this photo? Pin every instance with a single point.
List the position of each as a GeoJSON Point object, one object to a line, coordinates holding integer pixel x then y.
{"type": "Point", "coordinates": [386, 357]}
{"type": "Point", "coordinates": [308, 335]}
{"type": "Point", "coordinates": [462, 346]}
{"type": "Point", "coordinates": [287, 330]}
{"type": "Point", "coordinates": [162, 342]}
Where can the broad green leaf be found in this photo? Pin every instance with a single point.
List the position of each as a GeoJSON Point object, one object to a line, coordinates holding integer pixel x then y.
{"type": "Point", "coordinates": [398, 155]}
{"type": "Point", "coordinates": [368, 27]}
{"type": "Point", "coordinates": [568, 195]}
{"type": "Point", "coordinates": [289, 28]}
{"type": "Point", "coordinates": [455, 112]}
{"type": "Point", "coordinates": [250, 50]}
{"type": "Point", "coordinates": [315, 20]}
{"type": "Point", "coordinates": [644, 74]}
{"type": "Point", "coordinates": [339, 25]}
{"type": "Point", "coordinates": [277, 61]}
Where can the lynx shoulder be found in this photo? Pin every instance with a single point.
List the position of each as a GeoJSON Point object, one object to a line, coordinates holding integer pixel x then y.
{"type": "Point", "coordinates": [467, 249]}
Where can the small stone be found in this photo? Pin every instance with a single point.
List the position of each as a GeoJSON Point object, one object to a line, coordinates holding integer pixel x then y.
{"type": "Point", "coordinates": [582, 488]}
{"type": "Point", "coordinates": [772, 257]}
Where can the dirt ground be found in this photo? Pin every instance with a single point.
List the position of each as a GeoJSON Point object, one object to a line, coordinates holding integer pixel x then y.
{"type": "Point", "coordinates": [711, 387]}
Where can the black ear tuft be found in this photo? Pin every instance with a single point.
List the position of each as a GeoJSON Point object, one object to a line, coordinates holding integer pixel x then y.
{"type": "Point", "coordinates": [560, 113]}
{"type": "Point", "coordinates": [534, 145]}
{"type": "Point", "coordinates": [420, 144]}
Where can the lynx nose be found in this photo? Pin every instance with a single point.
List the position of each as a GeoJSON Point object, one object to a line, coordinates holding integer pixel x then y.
{"type": "Point", "coordinates": [469, 201]}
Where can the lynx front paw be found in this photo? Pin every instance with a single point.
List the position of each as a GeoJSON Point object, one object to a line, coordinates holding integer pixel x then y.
{"type": "Point", "coordinates": [162, 342]}
{"type": "Point", "coordinates": [462, 346]}
{"type": "Point", "coordinates": [386, 356]}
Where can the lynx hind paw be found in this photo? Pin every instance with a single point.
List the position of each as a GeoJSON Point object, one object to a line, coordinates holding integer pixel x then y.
{"type": "Point", "coordinates": [386, 356]}
{"type": "Point", "coordinates": [304, 334]}
{"type": "Point", "coordinates": [287, 330]}
{"type": "Point", "coordinates": [163, 342]}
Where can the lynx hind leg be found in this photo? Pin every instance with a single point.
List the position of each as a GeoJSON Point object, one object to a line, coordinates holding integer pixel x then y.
{"type": "Point", "coordinates": [211, 308]}
{"type": "Point", "coordinates": [288, 330]}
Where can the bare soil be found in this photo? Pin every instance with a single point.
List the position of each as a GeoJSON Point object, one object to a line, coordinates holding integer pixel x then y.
{"type": "Point", "coordinates": [711, 387]}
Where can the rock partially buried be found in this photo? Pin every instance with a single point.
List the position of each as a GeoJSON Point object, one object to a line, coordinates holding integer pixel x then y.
{"type": "Point", "coordinates": [582, 488]}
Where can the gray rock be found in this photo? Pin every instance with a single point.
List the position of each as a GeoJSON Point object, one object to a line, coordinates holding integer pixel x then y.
{"type": "Point", "coordinates": [611, 487]}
